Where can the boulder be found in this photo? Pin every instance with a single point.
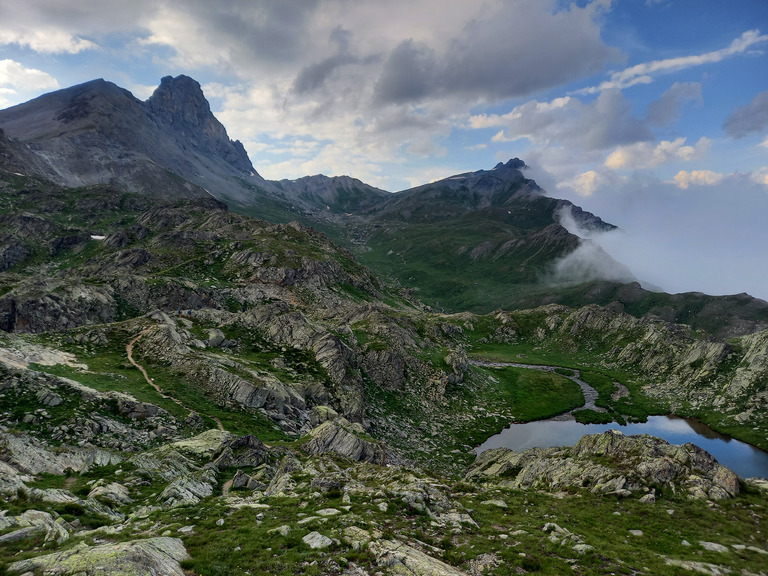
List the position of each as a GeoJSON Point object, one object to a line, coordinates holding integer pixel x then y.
{"type": "Point", "coordinates": [344, 439]}
{"type": "Point", "coordinates": [151, 556]}
{"type": "Point", "coordinates": [403, 559]}
{"type": "Point", "coordinates": [316, 540]}
{"type": "Point", "coordinates": [243, 451]}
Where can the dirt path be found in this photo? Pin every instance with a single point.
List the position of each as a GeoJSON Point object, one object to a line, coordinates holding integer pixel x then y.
{"type": "Point", "coordinates": [129, 351]}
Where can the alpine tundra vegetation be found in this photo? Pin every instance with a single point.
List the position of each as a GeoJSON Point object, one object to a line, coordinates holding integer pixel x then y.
{"type": "Point", "coordinates": [206, 372]}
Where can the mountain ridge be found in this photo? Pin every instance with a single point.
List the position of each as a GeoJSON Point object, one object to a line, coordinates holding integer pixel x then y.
{"type": "Point", "coordinates": [184, 389]}
{"type": "Point", "coordinates": [484, 240]}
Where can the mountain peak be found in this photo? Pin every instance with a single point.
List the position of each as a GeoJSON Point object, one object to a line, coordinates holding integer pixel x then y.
{"type": "Point", "coordinates": [513, 164]}
{"type": "Point", "coordinates": [180, 103]}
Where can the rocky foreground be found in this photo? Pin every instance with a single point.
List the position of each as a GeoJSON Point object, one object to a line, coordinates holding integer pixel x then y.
{"type": "Point", "coordinates": [214, 502]}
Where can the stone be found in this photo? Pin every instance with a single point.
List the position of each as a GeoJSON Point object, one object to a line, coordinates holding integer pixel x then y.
{"type": "Point", "coordinates": [316, 540]}
{"type": "Point", "coordinates": [497, 503]}
{"type": "Point", "coordinates": [113, 492]}
{"type": "Point", "coordinates": [244, 451]}
{"type": "Point", "coordinates": [701, 567]}
{"type": "Point", "coordinates": [713, 546]}
{"type": "Point", "coordinates": [636, 532]}
{"type": "Point", "coordinates": [283, 530]}
{"type": "Point", "coordinates": [582, 548]}
{"type": "Point", "coordinates": [189, 488]}
{"type": "Point", "coordinates": [648, 499]}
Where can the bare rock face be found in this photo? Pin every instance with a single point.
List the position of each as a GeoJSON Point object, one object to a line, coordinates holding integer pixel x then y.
{"type": "Point", "coordinates": [245, 451]}
{"type": "Point", "coordinates": [160, 555]}
{"type": "Point", "coordinates": [180, 103]}
{"type": "Point", "coordinates": [611, 463]}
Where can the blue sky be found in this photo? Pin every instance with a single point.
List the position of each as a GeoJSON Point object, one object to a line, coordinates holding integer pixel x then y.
{"type": "Point", "coordinates": [652, 114]}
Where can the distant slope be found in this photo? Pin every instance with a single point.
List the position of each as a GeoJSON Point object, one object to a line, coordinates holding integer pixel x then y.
{"type": "Point", "coordinates": [476, 241]}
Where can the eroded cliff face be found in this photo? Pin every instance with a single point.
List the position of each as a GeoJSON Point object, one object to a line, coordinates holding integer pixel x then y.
{"type": "Point", "coordinates": [179, 102]}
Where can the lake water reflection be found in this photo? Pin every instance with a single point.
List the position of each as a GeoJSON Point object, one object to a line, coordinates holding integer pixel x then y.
{"type": "Point", "coordinates": [742, 458]}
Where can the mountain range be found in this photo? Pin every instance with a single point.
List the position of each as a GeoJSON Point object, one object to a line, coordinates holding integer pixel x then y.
{"type": "Point", "coordinates": [477, 241]}
{"type": "Point", "coordinates": [203, 371]}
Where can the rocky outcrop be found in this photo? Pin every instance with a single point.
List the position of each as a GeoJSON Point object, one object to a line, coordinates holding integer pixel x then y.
{"type": "Point", "coordinates": [33, 523]}
{"type": "Point", "coordinates": [160, 555]}
{"type": "Point", "coordinates": [31, 456]}
{"type": "Point", "coordinates": [245, 451]}
{"type": "Point", "coordinates": [397, 556]}
{"type": "Point", "coordinates": [610, 463]}
{"type": "Point", "coordinates": [344, 439]}
{"type": "Point", "coordinates": [55, 305]}
{"type": "Point", "coordinates": [72, 413]}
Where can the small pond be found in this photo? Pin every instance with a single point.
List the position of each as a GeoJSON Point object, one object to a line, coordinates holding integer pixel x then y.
{"type": "Point", "coordinates": [744, 459]}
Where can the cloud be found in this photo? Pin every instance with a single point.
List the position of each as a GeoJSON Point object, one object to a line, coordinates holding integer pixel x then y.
{"type": "Point", "coordinates": [666, 108]}
{"type": "Point", "coordinates": [585, 183]}
{"type": "Point", "coordinates": [760, 176]}
{"type": "Point", "coordinates": [589, 262]}
{"type": "Point", "coordinates": [17, 80]}
{"type": "Point", "coordinates": [643, 155]}
{"type": "Point", "coordinates": [685, 179]}
{"type": "Point", "coordinates": [605, 122]}
{"type": "Point", "coordinates": [708, 237]}
{"type": "Point", "coordinates": [491, 60]}
{"type": "Point", "coordinates": [748, 119]}
{"type": "Point", "coordinates": [644, 73]}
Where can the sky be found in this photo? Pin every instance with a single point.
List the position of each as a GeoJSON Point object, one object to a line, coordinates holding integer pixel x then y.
{"type": "Point", "coordinates": [652, 114]}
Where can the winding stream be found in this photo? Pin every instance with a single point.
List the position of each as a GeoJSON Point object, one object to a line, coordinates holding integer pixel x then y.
{"type": "Point", "coordinates": [590, 394]}
{"type": "Point", "coordinates": [744, 459]}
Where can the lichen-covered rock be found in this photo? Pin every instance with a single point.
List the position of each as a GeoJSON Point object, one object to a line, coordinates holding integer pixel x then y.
{"type": "Point", "coordinates": [403, 559]}
{"type": "Point", "coordinates": [29, 455]}
{"type": "Point", "coordinates": [33, 522]}
{"type": "Point", "coordinates": [205, 445]}
{"type": "Point", "coordinates": [243, 451]}
{"type": "Point", "coordinates": [113, 493]}
{"type": "Point", "coordinates": [189, 488]}
{"type": "Point", "coordinates": [316, 540]}
{"type": "Point", "coordinates": [159, 556]}
{"type": "Point", "coordinates": [320, 414]}
{"type": "Point", "coordinates": [345, 439]}
{"type": "Point", "coordinates": [610, 463]}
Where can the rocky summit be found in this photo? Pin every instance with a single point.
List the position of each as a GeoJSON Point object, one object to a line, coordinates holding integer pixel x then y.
{"type": "Point", "coordinates": [203, 372]}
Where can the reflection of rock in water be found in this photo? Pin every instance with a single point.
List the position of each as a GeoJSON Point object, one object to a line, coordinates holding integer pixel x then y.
{"type": "Point", "coordinates": [703, 430]}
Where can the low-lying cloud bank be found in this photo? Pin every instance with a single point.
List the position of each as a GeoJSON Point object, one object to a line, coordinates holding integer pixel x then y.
{"type": "Point", "coordinates": [709, 236]}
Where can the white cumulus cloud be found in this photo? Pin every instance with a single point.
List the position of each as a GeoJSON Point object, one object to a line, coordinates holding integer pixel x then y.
{"type": "Point", "coordinates": [17, 81]}
{"type": "Point", "coordinates": [642, 155]}
{"type": "Point", "coordinates": [684, 179]}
